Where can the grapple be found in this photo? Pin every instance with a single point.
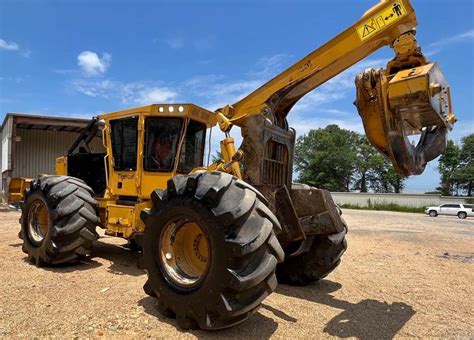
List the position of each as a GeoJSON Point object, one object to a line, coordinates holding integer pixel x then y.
{"type": "Point", "coordinates": [409, 98]}
{"type": "Point", "coordinates": [396, 106]}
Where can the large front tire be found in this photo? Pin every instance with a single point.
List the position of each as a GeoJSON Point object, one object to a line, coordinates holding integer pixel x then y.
{"type": "Point", "coordinates": [58, 220]}
{"type": "Point", "coordinates": [209, 250]}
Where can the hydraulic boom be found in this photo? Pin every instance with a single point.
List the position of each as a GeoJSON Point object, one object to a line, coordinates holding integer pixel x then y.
{"type": "Point", "coordinates": [409, 97]}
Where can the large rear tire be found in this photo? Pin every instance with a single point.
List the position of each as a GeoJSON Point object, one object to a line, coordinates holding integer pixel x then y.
{"type": "Point", "coordinates": [58, 220]}
{"type": "Point", "coordinates": [209, 249]}
{"type": "Point", "coordinates": [319, 261]}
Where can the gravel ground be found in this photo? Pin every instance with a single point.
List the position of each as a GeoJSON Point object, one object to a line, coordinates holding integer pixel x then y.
{"type": "Point", "coordinates": [404, 275]}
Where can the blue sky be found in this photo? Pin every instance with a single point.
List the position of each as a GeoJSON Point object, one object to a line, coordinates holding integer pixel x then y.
{"type": "Point", "coordinates": [80, 58]}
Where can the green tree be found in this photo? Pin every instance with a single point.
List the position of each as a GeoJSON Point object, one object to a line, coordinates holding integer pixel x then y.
{"type": "Point", "coordinates": [325, 158]}
{"type": "Point", "coordinates": [448, 165]}
{"type": "Point", "coordinates": [333, 158]}
{"type": "Point", "coordinates": [384, 177]}
{"type": "Point", "coordinates": [394, 181]}
{"type": "Point", "coordinates": [373, 171]}
{"type": "Point", "coordinates": [464, 175]}
{"type": "Point", "coordinates": [216, 157]}
{"type": "Point", "coordinates": [367, 158]}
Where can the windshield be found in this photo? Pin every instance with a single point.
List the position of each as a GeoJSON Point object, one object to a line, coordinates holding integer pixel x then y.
{"type": "Point", "coordinates": [162, 137]}
{"type": "Point", "coordinates": [161, 142]}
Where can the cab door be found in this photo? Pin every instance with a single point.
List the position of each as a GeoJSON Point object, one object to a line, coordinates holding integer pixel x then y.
{"type": "Point", "coordinates": [124, 137]}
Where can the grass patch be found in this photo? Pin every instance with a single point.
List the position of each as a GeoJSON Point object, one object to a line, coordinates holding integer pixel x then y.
{"type": "Point", "coordinates": [385, 207]}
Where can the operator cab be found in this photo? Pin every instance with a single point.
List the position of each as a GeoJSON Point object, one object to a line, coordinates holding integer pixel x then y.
{"type": "Point", "coordinates": [144, 147]}
{"type": "Point", "coordinates": [153, 143]}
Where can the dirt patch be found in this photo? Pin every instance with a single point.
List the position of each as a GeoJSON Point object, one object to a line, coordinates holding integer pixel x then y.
{"type": "Point", "coordinates": [394, 280]}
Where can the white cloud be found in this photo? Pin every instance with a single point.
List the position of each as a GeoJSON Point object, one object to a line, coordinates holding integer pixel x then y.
{"type": "Point", "coordinates": [438, 46]}
{"type": "Point", "coordinates": [336, 112]}
{"type": "Point", "coordinates": [26, 53]}
{"type": "Point", "coordinates": [133, 93]}
{"type": "Point", "coordinates": [91, 64]}
{"type": "Point", "coordinates": [13, 46]}
{"type": "Point", "coordinates": [214, 91]}
{"type": "Point", "coordinates": [175, 42]}
{"type": "Point", "coordinates": [462, 128]}
{"type": "Point", "coordinates": [268, 67]}
{"type": "Point", "coordinates": [319, 108]}
{"type": "Point", "coordinates": [155, 95]}
{"type": "Point", "coordinates": [9, 46]}
{"type": "Point", "coordinates": [340, 87]}
{"type": "Point", "coordinates": [204, 44]}
{"type": "Point", "coordinates": [303, 124]}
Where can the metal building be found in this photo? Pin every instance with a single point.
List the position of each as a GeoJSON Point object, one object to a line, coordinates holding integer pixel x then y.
{"type": "Point", "coordinates": [31, 144]}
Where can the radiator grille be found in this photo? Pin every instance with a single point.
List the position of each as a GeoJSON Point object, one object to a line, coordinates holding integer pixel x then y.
{"type": "Point", "coordinates": [275, 163]}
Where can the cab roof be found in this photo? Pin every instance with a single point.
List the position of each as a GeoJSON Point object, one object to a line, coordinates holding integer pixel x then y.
{"type": "Point", "coordinates": [166, 110]}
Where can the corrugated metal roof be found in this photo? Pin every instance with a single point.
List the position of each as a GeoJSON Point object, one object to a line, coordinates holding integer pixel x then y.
{"type": "Point", "coordinates": [41, 122]}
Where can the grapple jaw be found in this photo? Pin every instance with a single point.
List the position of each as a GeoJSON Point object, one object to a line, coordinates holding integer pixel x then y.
{"type": "Point", "coordinates": [395, 106]}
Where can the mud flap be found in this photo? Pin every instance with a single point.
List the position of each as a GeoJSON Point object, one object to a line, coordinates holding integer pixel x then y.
{"type": "Point", "coordinates": [281, 205]}
{"type": "Point", "coordinates": [303, 212]}
{"type": "Point", "coordinates": [316, 210]}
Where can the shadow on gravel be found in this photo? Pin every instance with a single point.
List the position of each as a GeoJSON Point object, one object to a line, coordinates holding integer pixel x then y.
{"type": "Point", "coordinates": [87, 264]}
{"type": "Point", "coordinates": [122, 261]}
{"type": "Point", "coordinates": [257, 326]}
{"type": "Point", "coordinates": [279, 313]}
{"type": "Point", "coordinates": [367, 319]}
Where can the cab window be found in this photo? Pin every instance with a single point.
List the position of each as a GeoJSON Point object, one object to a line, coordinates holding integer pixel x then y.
{"type": "Point", "coordinates": [161, 143]}
{"type": "Point", "coordinates": [192, 151]}
{"type": "Point", "coordinates": [124, 134]}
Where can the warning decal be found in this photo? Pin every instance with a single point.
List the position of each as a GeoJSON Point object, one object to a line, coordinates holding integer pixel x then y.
{"type": "Point", "coordinates": [384, 18]}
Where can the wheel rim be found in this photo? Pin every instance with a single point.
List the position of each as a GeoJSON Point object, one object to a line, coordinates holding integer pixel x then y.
{"type": "Point", "coordinates": [184, 253]}
{"type": "Point", "coordinates": [38, 221]}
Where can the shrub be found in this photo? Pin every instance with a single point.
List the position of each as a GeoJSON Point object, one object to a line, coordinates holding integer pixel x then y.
{"type": "Point", "coordinates": [385, 207]}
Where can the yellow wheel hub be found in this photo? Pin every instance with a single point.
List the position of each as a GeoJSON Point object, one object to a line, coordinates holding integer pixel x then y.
{"type": "Point", "coordinates": [184, 253]}
{"type": "Point", "coordinates": [38, 221]}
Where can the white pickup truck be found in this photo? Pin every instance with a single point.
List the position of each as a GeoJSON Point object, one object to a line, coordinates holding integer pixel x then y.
{"type": "Point", "coordinates": [460, 210]}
